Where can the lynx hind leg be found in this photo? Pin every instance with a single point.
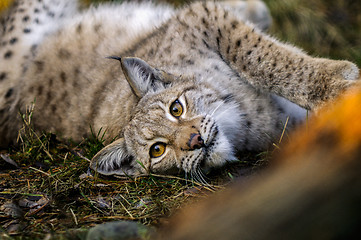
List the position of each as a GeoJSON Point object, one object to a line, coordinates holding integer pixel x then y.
{"type": "Point", "coordinates": [251, 11]}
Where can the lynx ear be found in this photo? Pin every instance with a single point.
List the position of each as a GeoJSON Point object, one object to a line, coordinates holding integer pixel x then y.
{"type": "Point", "coordinates": [140, 75]}
{"type": "Point", "coordinates": [115, 159]}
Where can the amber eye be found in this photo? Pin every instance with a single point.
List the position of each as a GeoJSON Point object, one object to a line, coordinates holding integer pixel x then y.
{"type": "Point", "coordinates": [176, 109]}
{"type": "Point", "coordinates": [157, 149]}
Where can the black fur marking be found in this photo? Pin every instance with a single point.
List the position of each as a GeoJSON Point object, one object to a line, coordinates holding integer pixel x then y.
{"type": "Point", "coordinates": [79, 28]}
{"type": "Point", "coordinates": [49, 96]}
{"type": "Point", "coordinates": [234, 24]}
{"type": "Point", "coordinates": [63, 77]}
{"type": "Point", "coordinates": [26, 18]}
{"type": "Point", "coordinates": [9, 93]}
{"type": "Point", "coordinates": [8, 54]}
{"type": "Point", "coordinates": [205, 8]}
{"type": "Point", "coordinates": [64, 54]}
{"type": "Point", "coordinates": [190, 62]}
{"type": "Point", "coordinates": [219, 33]}
{"type": "Point", "coordinates": [39, 66]}
{"type": "Point", "coordinates": [51, 14]}
{"type": "Point", "coordinates": [234, 58]}
{"type": "Point", "coordinates": [51, 82]}
{"type": "Point", "coordinates": [13, 40]}
{"type": "Point", "coordinates": [205, 23]}
{"type": "Point", "coordinates": [227, 98]}
{"type": "Point", "coordinates": [40, 90]}
{"type": "Point", "coordinates": [33, 48]}
{"type": "Point", "coordinates": [11, 28]}
{"type": "Point", "coordinates": [205, 43]}
{"type": "Point", "coordinates": [3, 75]}
{"type": "Point", "coordinates": [53, 108]}
{"type": "Point", "coordinates": [225, 15]}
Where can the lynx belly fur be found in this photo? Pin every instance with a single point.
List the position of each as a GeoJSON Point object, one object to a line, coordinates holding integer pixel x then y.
{"type": "Point", "coordinates": [178, 90]}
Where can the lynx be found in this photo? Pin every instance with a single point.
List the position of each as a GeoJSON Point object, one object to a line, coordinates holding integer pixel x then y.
{"type": "Point", "coordinates": [178, 90]}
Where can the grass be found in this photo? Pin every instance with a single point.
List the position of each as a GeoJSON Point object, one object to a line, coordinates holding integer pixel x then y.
{"type": "Point", "coordinates": [52, 194]}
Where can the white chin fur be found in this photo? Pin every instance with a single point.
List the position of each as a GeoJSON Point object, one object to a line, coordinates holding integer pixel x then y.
{"type": "Point", "coordinates": [222, 153]}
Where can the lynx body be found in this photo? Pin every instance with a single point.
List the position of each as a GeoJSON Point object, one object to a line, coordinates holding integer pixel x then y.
{"type": "Point", "coordinates": [191, 88]}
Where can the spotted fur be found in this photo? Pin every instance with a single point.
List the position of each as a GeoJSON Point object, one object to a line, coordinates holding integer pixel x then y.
{"type": "Point", "coordinates": [230, 78]}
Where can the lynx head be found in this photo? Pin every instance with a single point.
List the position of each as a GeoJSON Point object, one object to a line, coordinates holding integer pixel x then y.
{"type": "Point", "coordinates": [178, 124]}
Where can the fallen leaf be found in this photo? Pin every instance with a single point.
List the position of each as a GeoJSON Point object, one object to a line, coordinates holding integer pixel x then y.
{"type": "Point", "coordinates": [12, 209]}
{"type": "Point", "coordinates": [14, 227]}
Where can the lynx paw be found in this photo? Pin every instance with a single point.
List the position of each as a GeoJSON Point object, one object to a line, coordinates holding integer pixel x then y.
{"type": "Point", "coordinates": [343, 70]}
{"type": "Point", "coordinates": [350, 72]}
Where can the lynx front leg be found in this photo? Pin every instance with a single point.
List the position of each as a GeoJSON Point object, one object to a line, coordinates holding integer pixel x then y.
{"type": "Point", "coordinates": [286, 70]}
{"type": "Point", "coordinates": [267, 63]}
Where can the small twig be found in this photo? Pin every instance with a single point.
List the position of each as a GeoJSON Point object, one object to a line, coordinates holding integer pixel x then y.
{"type": "Point", "coordinates": [284, 129]}
{"type": "Point", "coordinates": [38, 170]}
{"type": "Point", "coordinates": [121, 195]}
{"type": "Point", "coordinates": [276, 146]}
{"type": "Point", "coordinates": [126, 209]}
{"type": "Point", "coordinates": [79, 155]}
{"type": "Point", "coordinates": [75, 220]}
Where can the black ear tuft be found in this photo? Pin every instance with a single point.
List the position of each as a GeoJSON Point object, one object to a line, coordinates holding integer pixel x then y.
{"type": "Point", "coordinates": [115, 57]}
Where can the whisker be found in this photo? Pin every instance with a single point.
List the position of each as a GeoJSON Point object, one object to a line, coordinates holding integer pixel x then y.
{"type": "Point", "coordinates": [224, 110]}
{"type": "Point", "coordinates": [192, 177]}
{"type": "Point", "coordinates": [202, 177]}
{"type": "Point", "coordinates": [198, 176]}
{"type": "Point", "coordinates": [216, 109]}
{"type": "Point", "coordinates": [202, 173]}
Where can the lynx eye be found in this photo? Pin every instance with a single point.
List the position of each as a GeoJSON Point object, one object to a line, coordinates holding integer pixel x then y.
{"type": "Point", "coordinates": [157, 150]}
{"type": "Point", "coordinates": [176, 109]}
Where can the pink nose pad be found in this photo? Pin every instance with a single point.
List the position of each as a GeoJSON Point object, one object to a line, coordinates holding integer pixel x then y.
{"type": "Point", "coordinates": [196, 141]}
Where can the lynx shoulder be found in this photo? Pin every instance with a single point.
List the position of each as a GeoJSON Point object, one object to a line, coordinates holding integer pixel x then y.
{"type": "Point", "coordinates": [191, 88]}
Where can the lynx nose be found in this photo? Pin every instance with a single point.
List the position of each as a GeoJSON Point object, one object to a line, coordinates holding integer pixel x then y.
{"type": "Point", "coordinates": [196, 141]}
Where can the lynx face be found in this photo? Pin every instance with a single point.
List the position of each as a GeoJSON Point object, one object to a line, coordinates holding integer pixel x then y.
{"type": "Point", "coordinates": [178, 125]}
